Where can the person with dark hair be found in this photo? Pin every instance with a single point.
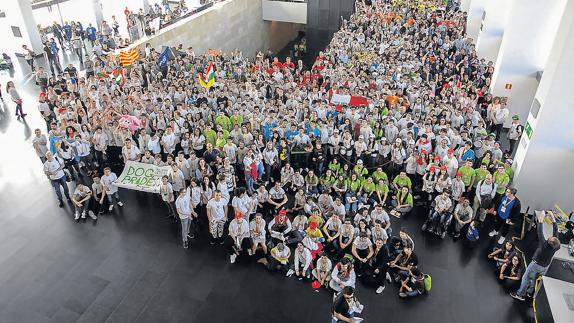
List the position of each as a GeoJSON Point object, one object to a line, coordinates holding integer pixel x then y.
{"type": "Point", "coordinates": [238, 241]}
{"type": "Point", "coordinates": [413, 285]}
{"type": "Point", "coordinates": [507, 213]}
{"type": "Point", "coordinates": [343, 275]}
{"type": "Point", "coordinates": [541, 259]}
{"type": "Point", "coordinates": [342, 305]}
{"type": "Point", "coordinates": [510, 273]}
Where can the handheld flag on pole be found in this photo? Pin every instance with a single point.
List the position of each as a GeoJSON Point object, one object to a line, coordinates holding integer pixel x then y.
{"type": "Point", "coordinates": [207, 79]}
{"type": "Point", "coordinates": [164, 57]}
{"type": "Point", "coordinates": [118, 75]}
{"type": "Point", "coordinates": [102, 75]}
{"type": "Point", "coordinates": [129, 57]}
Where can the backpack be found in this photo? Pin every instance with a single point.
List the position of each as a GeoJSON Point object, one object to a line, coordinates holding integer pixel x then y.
{"type": "Point", "coordinates": [486, 200]}
{"type": "Point", "coordinates": [428, 282]}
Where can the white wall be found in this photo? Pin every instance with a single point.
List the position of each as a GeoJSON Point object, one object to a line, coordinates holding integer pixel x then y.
{"type": "Point", "coordinates": [475, 18]}
{"type": "Point", "coordinates": [295, 12]}
{"type": "Point", "coordinates": [524, 51]}
{"type": "Point", "coordinates": [227, 26]}
{"type": "Point", "coordinates": [544, 166]}
{"type": "Point", "coordinates": [490, 37]}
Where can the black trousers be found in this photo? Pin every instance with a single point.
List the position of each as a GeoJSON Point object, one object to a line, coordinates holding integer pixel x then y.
{"type": "Point", "coordinates": [230, 245]}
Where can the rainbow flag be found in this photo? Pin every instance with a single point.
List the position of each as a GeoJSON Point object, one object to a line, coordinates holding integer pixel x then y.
{"type": "Point", "coordinates": [129, 57]}
{"type": "Point", "coordinates": [207, 79]}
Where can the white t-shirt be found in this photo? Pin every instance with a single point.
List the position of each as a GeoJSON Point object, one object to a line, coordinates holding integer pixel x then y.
{"type": "Point", "coordinates": [108, 181]}
{"type": "Point", "coordinates": [131, 153]}
{"type": "Point", "coordinates": [217, 209]}
{"type": "Point", "coordinates": [52, 166]}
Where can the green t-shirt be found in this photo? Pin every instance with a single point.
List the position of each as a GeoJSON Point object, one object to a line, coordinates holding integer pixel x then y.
{"type": "Point", "coordinates": [369, 187]}
{"type": "Point", "coordinates": [402, 200]}
{"type": "Point", "coordinates": [220, 142]}
{"type": "Point", "coordinates": [467, 174]}
{"type": "Point", "coordinates": [479, 175]}
{"type": "Point", "coordinates": [360, 171]}
{"type": "Point", "coordinates": [402, 182]}
{"type": "Point", "coordinates": [237, 120]}
{"type": "Point", "coordinates": [382, 189]}
{"type": "Point", "coordinates": [502, 181]}
{"type": "Point", "coordinates": [223, 121]}
{"type": "Point", "coordinates": [377, 176]}
{"type": "Point", "coordinates": [210, 136]}
{"type": "Point", "coordinates": [354, 185]}
{"type": "Point", "coordinates": [335, 168]}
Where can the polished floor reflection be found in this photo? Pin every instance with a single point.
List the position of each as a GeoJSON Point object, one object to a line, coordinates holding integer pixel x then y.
{"type": "Point", "coordinates": [129, 267]}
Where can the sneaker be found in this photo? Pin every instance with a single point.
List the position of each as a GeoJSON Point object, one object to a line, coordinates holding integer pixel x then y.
{"type": "Point", "coordinates": [232, 258]}
{"type": "Point", "coordinates": [77, 216]}
{"type": "Point", "coordinates": [290, 273]}
{"type": "Point", "coordinates": [501, 240]}
{"type": "Point", "coordinates": [84, 215]}
{"type": "Point", "coordinates": [516, 296]}
{"type": "Point", "coordinates": [221, 242]}
{"type": "Point", "coordinates": [493, 233]}
{"type": "Point", "coordinates": [191, 236]}
{"type": "Point", "coordinates": [111, 208]}
{"type": "Point", "coordinates": [388, 277]}
{"type": "Point", "coordinates": [61, 203]}
{"type": "Point", "coordinates": [380, 289]}
{"type": "Point", "coordinates": [120, 203]}
{"type": "Point", "coordinates": [185, 245]}
{"type": "Point", "coordinates": [402, 295]}
{"type": "Point", "coordinates": [212, 242]}
{"type": "Point", "coordinates": [92, 215]}
{"type": "Point", "coordinates": [250, 252]}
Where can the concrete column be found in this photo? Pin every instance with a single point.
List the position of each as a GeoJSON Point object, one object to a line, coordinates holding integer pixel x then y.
{"type": "Point", "coordinates": [543, 163]}
{"type": "Point", "coordinates": [490, 35]}
{"type": "Point", "coordinates": [19, 14]}
{"type": "Point", "coordinates": [465, 5]}
{"type": "Point", "coordinates": [524, 51]}
{"type": "Point", "coordinates": [98, 12]}
{"type": "Point", "coordinates": [145, 4]}
{"type": "Point", "coordinates": [474, 20]}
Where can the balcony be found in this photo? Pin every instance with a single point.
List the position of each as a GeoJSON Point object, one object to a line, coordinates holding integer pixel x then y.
{"type": "Point", "coordinates": [294, 11]}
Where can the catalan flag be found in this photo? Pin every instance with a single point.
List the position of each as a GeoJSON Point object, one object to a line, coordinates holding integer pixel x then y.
{"type": "Point", "coordinates": [207, 79]}
{"type": "Point", "coordinates": [129, 57]}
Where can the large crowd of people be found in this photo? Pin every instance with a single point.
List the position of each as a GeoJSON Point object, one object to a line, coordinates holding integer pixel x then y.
{"type": "Point", "coordinates": [279, 174]}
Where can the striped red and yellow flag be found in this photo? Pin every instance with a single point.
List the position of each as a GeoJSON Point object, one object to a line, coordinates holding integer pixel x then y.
{"type": "Point", "coordinates": [129, 57]}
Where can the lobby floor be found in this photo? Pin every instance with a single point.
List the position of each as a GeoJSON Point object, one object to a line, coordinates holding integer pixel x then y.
{"type": "Point", "coordinates": [129, 265]}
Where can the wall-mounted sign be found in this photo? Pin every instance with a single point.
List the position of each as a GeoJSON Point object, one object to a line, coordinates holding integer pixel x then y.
{"type": "Point", "coordinates": [528, 130]}
{"type": "Point", "coordinates": [508, 86]}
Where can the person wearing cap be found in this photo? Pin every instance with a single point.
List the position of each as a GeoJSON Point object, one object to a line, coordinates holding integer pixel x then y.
{"type": "Point", "coordinates": [238, 239]}
{"type": "Point", "coordinates": [457, 188]}
{"type": "Point", "coordinates": [429, 182]}
{"type": "Point", "coordinates": [450, 162]}
{"type": "Point", "coordinates": [280, 226]}
{"type": "Point", "coordinates": [514, 134]}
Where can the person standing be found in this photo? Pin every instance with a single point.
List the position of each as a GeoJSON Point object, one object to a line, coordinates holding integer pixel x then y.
{"type": "Point", "coordinates": [54, 169]}
{"type": "Point", "coordinates": [29, 57]}
{"type": "Point", "coordinates": [167, 196]}
{"type": "Point", "coordinates": [40, 144]}
{"type": "Point", "coordinates": [11, 89]}
{"type": "Point", "coordinates": [507, 212]}
{"type": "Point", "coordinates": [108, 180]}
{"type": "Point", "coordinates": [185, 212]}
{"type": "Point", "coordinates": [514, 133]}
{"type": "Point", "coordinates": [541, 259]}
{"type": "Point", "coordinates": [217, 216]}
{"type": "Point", "coordinates": [77, 45]}
{"type": "Point", "coordinates": [238, 240]}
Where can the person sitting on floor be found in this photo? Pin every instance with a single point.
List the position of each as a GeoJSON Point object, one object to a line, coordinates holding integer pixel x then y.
{"type": "Point", "coordinates": [343, 275]}
{"type": "Point", "coordinates": [413, 285]}
{"type": "Point", "coordinates": [503, 255]}
{"type": "Point", "coordinates": [510, 274]}
{"type": "Point", "coordinates": [279, 259]}
{"type": "Point", "coordinates": [322, 270]}
{"type": "Point", "coordinates": [238, 240]}
{"type": "Point", "coordinates": [280, 226]}
{"type": "Point", "coordinates": [301, 263]}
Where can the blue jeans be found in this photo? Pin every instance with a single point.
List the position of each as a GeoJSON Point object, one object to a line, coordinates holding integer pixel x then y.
{"type": "Point", "coordinates": [529, 278]}
{"type": "Point", "coordinates": [185, 224]}
{"type": "Point", "coordinates": [249, 181]}
{"type": "Point", "coordinates": [56, 183]}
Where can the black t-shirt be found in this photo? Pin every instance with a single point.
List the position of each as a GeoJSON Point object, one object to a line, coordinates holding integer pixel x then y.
{"type": "Point", "coordinates": [71, 71]}
{"type": "Point", "coordinates": [340, 305]}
